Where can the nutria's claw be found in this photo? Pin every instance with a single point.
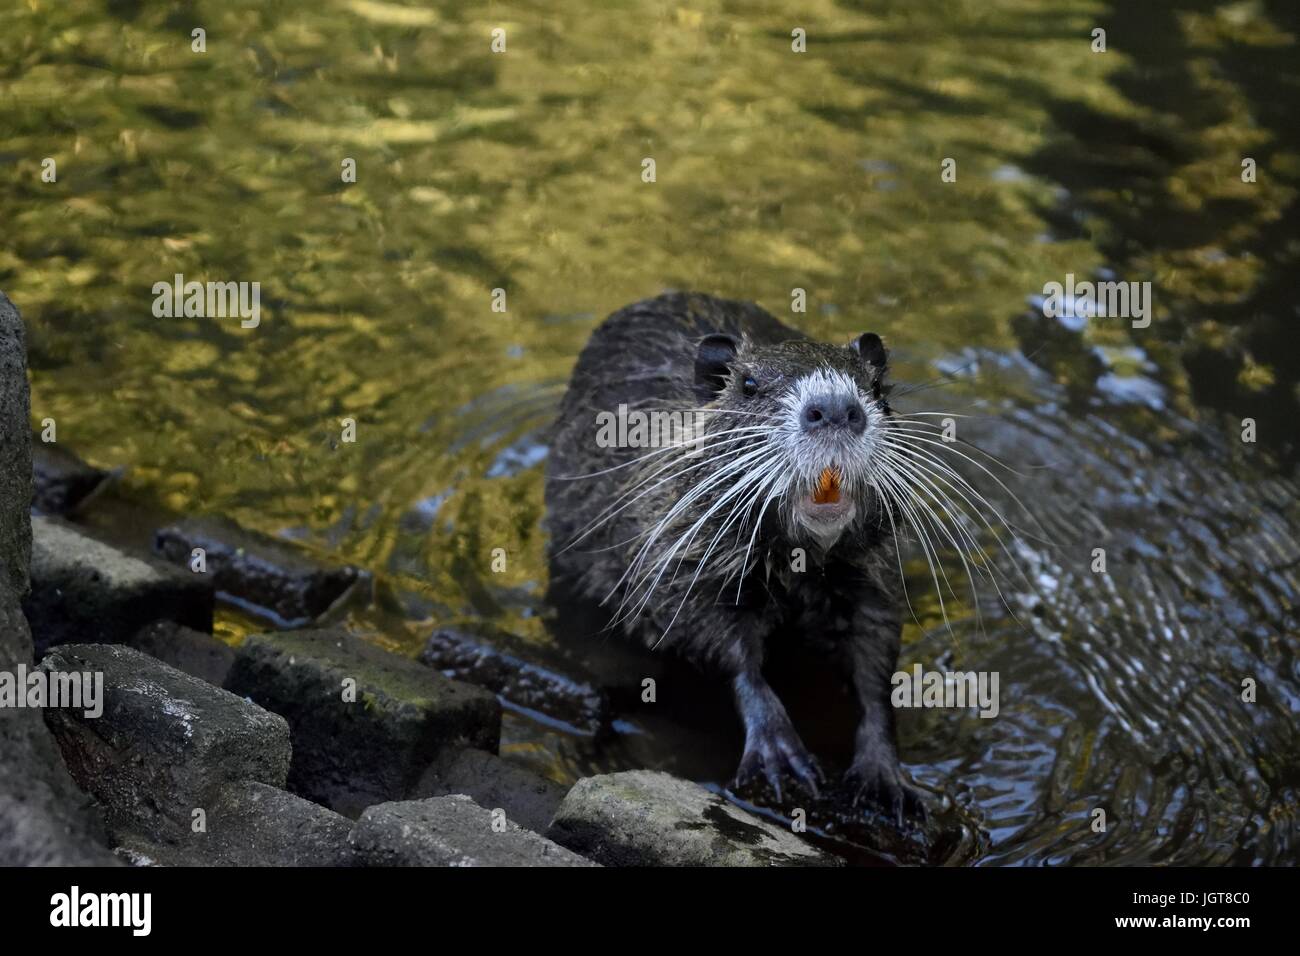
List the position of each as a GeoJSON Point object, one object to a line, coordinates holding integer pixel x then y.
{"type": "Point", "coordinates": [776, 754]}
{"type": "Point", "coordinates": [882, 784]}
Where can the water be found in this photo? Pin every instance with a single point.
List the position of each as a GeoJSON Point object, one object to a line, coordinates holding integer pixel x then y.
{"type": "Point", "coordinates": [775, 171]}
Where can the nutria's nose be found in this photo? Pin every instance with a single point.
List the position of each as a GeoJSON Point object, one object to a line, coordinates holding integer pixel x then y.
{"type": "Point", "coordinates": [834, 411]}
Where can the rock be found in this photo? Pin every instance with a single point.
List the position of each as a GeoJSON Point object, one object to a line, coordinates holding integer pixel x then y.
{"type": "Point", "coordinates": [15, 452]}
{"type": "Point", "coordinates": [44, 826]}
{"type": "Point", "coordinates": [86, 591]}
{"type": "Point", "coordinates": [252, 824]}
{"type": "Point", "coordinates": [450, 831]}
{"type": "Point", "coordinates": [262, 575]}
{"type": "Point", "coordinates": [60, 480]}
{"type": "Point", "coordinates": [44, 819]}
{"type": "Point", "coordinates": [374, 746]}
{"type": "Point", "coordinates": [257, 825]}
{"type": "Point", "coordinates": [947, 835]}
{"type": "Point", "coordinates": [528, 799]}
{"type": "Point", "coordinates": [197, 654]}
{"type": "Point", "coordinates": [166, 743]}
{"type": "Point", "coordinates": [538, 679]}
{"type": "Point", "coordinates": [647, 818]}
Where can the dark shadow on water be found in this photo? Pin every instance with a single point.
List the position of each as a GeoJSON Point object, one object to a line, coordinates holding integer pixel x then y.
{"type": "Point", "coordinates": [1128, 179]}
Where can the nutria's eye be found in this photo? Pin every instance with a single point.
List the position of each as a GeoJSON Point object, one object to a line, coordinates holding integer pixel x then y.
{"type": "Point", "coordinates": [749, 386]}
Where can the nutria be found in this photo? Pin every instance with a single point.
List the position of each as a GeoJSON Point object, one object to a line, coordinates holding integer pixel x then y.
{"type": "Point", "coordinates": [766, 515]}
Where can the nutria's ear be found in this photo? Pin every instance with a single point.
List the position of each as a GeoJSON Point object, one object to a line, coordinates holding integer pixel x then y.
{"type": "Point", "coordinates": [871, 348]}
{"type": "Point", "coordinates": [712, 358]}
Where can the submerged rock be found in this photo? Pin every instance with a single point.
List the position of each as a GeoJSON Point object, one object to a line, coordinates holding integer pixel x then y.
{"type": "Point", "coordinates": [538, 679]}
{"type": "Point", "coordinates": [197, 654]}
{"type": "Point", "coordinates": [450, 831]}
{"type": "Point", "coordinates": [265, 577]}
{"type": "Point", "coordinates": [86, 591]}
{"type": "Point", "coordinates": [527, 799]}
{"type": "Point", "coordinates": [946, 835]}
{"type": "Point", "coordinates": [165, 744]}
{"type": "Point", "coordinates": [648, 818]}
{"type": "Point", "coordinates": [366, 723]}
{"type": "Point", "coordinates": [60, 480]}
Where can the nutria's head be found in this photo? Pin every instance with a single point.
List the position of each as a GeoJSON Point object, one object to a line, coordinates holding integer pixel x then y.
{"type": "Point", "coordinates": [816, 415]}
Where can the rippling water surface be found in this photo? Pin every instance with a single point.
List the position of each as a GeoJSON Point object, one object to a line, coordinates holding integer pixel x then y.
{"type": "Point", "coordinates": [775, 170]}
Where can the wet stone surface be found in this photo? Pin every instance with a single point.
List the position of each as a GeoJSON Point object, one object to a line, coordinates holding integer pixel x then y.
{"type": "Point", "coordinates": [450, 831]}
{"type": "Point", "coordinates": [165, 744]}
{"type": "Point", "coordinates": [197, 654]}
{"type": "Point", "coordinates": [527, 798]}
{"type": "Point", "coordinates": [266, 577]}
{"type": "Point", "coordinates": [86, 591]}
{"type": "Point", "coordinates": [865, 833]}
{"type": "Point", "coordinates": [15, 451]}
{"type": "Point", "coordinates": [61, 481]}
{"type": "Point", "coordinates": [251, 824]}
{"type": "Point", "coordinates": [648, 818]}
{"type": "Point", "coordinates": [44, 820]}
{"type": "Point", "coordinates": [543, 680]}
{"type": "Point", "coordinates": [366, 723]}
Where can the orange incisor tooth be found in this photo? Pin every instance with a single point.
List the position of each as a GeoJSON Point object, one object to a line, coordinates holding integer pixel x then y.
{"type": "Point", "coordinates": [827, 491]}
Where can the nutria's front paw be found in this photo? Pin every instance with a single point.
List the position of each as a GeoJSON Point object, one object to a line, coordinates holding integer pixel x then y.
{"type": "Point", "coordinates": [880, 781]}
{"type": "Point", "coordinates": [776, 753]}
